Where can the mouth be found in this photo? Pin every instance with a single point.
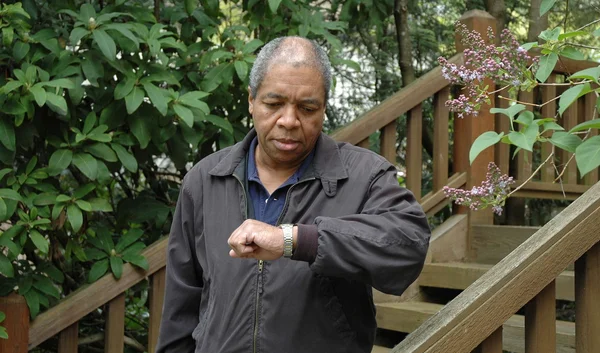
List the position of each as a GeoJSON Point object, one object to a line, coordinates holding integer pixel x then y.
{"type": "Point", "coordinates": [286, 144]}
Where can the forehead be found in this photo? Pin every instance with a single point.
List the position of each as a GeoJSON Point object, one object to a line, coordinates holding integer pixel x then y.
{"type": "Point", "coordinates": [292, 79]}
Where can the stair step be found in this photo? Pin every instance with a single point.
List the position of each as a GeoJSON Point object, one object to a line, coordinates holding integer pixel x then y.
{"type": "Point", "coordinates": [407, 316]}
{"type": "Point", "coordinates": [491, 243]}
{"type": "Point", "coordinates": [460, 275]}
{"type": "Point", "coordinates": [379, 349]}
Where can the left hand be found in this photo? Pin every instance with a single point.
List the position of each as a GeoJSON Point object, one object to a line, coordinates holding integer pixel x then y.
{"type": "Point", "coordinates": [256, 240]}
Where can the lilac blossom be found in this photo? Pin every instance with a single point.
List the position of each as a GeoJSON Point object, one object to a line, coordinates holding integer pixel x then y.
{"type": "Point", "coordinates": [493, 191]}
{"type": "Point", "coordinates": [506, 65]}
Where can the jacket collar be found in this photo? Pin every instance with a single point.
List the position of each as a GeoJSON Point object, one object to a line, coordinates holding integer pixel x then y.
{"type": "Point", "coordinates": [327, 163]}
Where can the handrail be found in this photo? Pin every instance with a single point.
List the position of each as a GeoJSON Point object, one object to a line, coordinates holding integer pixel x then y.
{"type": "Point", "coordinates": [395, 105]}
{"type": "Point", "coordinates": [484, 306]}
{"type": "Point", "coordinates": [88, 298]}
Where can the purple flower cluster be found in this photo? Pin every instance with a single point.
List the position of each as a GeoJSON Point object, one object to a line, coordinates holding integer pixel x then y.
{"type": "Point", "coordinates": [494, 191]}
{"type": "Point", "coordinates": [505, 65]}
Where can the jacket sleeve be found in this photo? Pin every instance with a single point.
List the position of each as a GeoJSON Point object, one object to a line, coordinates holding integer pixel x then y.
{"type": "Point", "coordinates": [183, 282]}
{"type": "Point", "coordinates": [384, 245]}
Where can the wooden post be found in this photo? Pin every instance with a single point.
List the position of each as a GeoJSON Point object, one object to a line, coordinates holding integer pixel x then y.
{"type": "Point", "coordinates": [587, 310]}
{"type": "Point", "coordinates": [540, 321]}
{"type": "Point", "coordinates": [68, 339]}
{"type": "Point", "coordinates": [16, 323]}
{"type": "Point", "coordinates": [114, 336]}
{"type": "Point", "coordinates": [157, 298]}
{"type": "Point", "coordinates": [467, 129]}
{"type": "Point", "coordinates": [492, 344]}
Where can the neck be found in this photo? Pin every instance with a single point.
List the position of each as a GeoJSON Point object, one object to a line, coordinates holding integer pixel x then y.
{"type": "Point", "coordinates": [267, 166]}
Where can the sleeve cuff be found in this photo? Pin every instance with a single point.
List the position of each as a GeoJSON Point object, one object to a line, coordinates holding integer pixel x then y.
{"type": "Point", "coordinates": [306, 243]}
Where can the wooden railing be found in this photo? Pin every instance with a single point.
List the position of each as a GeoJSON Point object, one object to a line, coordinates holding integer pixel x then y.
{"type": "Point", "coordinates": [473, 320]}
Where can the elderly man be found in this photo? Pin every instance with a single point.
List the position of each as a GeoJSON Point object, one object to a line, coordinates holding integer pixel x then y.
{"type": "Point", "coordinates": [277, 241]}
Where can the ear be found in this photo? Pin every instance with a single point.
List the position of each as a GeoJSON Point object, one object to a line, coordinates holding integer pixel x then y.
{"type": "Point", "coordinates": [250, 101]}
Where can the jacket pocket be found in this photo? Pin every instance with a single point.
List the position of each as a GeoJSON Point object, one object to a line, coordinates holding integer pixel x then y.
{"type": "Point", "coordinates": [200, 329]}
{"type": "Point", "coordinates": [335, 310]}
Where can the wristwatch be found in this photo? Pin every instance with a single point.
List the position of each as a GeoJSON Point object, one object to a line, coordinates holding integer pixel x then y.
{"type": "Point", "coordinates": [288, 240]}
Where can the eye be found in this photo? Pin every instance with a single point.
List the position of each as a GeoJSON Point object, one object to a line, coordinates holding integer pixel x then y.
{"type": "Point", "coordinates": [309, 109]}
{"type": "Point", "coordinates": [272, 104]}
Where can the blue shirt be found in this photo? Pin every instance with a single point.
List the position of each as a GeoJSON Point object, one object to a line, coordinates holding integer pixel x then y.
{"type": "Point", "coordinates": [267, 208]}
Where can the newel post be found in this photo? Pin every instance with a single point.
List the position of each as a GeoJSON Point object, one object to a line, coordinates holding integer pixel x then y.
{"type": "Point", "coordinates": [467, 129]}
{"type": "Point", "coordinates": [16, 323]}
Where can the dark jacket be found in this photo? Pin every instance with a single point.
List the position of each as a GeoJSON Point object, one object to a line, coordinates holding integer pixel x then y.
{"type": "Point", "coordinates": [371, 233]}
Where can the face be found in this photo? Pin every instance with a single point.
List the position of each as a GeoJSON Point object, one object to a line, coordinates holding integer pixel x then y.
{"type": "Point", "coordinates": [288, 113]}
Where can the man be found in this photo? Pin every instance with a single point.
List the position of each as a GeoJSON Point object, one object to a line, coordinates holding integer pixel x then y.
{"type": "Point", "coordinates": [277, 241]}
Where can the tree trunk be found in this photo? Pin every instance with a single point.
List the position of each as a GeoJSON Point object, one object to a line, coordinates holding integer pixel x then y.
{"type": "Point", "coordinates": [497, 8]}
{"type": "Point", "coordinates": [536, 23]}
{"type": "Point", "coordinates": [404, 44]}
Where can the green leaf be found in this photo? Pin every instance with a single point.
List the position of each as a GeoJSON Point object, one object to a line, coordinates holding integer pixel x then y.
{"type": "Point", "coordinates": [3, 209]}
{"type": "Point", "coordinates": [184, 113]}
{"type": "Point", "coordinates": [7, 134]}
{"type": "Point", "coordinates": [89, 123]}
{"type": "Point", "coordinates": [482, 142]}
{"type": "Point", "coordinates": [55, 274]}
{"type": "Point", "coordinates": [20, 49]}
{"type": "Point", "coordinates": [45, 285]}
{"type": "Point", "coordinates": [10, 86]}
{"type": "Point", "coordinates": [596, 32]}
{"type": "Point", "coordinates": [10, 194]}
{"type": "Point", "coordinates": [571, 34]}
{"type": "Point", "coordinates": [241, 67]}
{"type": "Point", "coordinates": [59, 161]}
{"type": "Point", "coordinates": [552, 126]}
{"type": "Point", "coordinates": [2, 316]}
{"type": "Point", "coordinates": [39, 94]}
{"type": "Point", "coordinates": [157, 98]}
{"type": "Point", "coordinates": [59, 83]}
{"type": "Point", "coordinates": [87, 164]}
{"type": "Point", "coordinates": [251, 46]}
{"type": "Point", "coordinates": [101, 150]}
{"type": "Point", "coordinates": [84, 205]}
{"type": "Point", "coordinates": [551, 34]}
{"type": "Point", "coordinates": [591, 124]}
{"type": "Point", "coordinates": [45, 199]}
{"type": "Point", "coordinates": [76, 34]}
{"type": "Point", "coordinates": [592, 73]}
{"type": "Point", "coordinates": [122, 28]}
{"type": "Point", "coordinates": [95, 254]}
{"type": "Point", "coordinates": [6, 267]}
{"type": "Point", "coordinates": [525, 118]}
{"type": "Point", "coordinates": [98, 270]}
{"type": "Point", "coordinates": [116, 265]}
{"type": "Point", "coordinates": [39, 241]}
{"type": "Point", "coordinates": [56, 103]}
{"type": "Point", "coordinates": [545, 6]}
{"type": "Point", "coordinates": [131, 237]}
{"type": "Point", "coordinates": [124, 87]}
{"type": "Point", "coordinates": [520, 140]}
{"type": "Point", "coordinates": [134, 99]}
{"type": "Point", "coordinates": [3, 333]}
{"type": "Point", "coordinates": [565, 140]}
{"type": "Point", "coordinates": [571, 95]}
{"type": "Point", "coordinates": [587, 155]}
{"type": "Point", "coordinates": [106, 43]}
{"type": "Point", "coordinates": [546, 66]}
{"type": "Point", "coordinates": [140, 129]}
{"type": "Point", "coordinates": [510, 111]}
{"type": "Point", "coordinates": [33, 302]}
{"type": "Point", "coordinates": [572, 53]}
{"type": "Point", "coordinates": [7, 36]}
{"type": "Point", "coordinates": [99, 204]}
{"type": "Point", "coordinates": [128, 160]}
{"type": "Point", "coordinates": [220, 122]}
{"type": "Point", "coordinates": [75, 217]}
{"type": "Point", "coordinates": [137, 260]}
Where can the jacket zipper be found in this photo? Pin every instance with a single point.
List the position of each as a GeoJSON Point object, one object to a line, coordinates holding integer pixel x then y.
{"type": "Point", "coordinates": [261, 263]}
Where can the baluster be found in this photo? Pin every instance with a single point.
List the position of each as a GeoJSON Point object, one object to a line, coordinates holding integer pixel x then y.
{"type": "Point", "coordinates": [414, 150]}
{"type": "Point", "coordinates": [492, 344]}
{"type": "Point", "coordinates": [364, 143]}
{"type": "Point", "coordinates": [502, 125]}
{"type": "Point", "coordinates": [157, 293]}
{"type": "Point", "coordinates": [540, 321]}
{"type": "Point", "coordinates": [115, 325]}
{"type": "Point", "coordinates": [569, 121]}
{"type": "Point", "coordinates": [590, 105]}
{"type": "Point", "coordinates": [525, 158]}
{"type": "Point", "coordinates": [68, 339]}
{"type": "Point", "coordinates": [587, 310]}
{"type": "Point", "coordinates": [440, 139]}
{"type": "Point", "coordinates": [388, 142]}
{"type": "Point", "coordinates": [548, 111]}
{"type": "Point", "coordinates": [16, 323]}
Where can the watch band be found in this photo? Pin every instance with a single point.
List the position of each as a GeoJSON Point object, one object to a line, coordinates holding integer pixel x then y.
{"type": "Point", "coordinates": [288, 240]}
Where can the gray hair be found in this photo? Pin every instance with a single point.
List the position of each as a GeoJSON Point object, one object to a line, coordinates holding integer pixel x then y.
{"type": "Point", "coordinates": [277, 51]}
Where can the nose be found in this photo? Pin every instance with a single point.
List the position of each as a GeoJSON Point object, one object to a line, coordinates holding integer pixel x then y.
{"type": "Point", "coordinates": [289, 117]}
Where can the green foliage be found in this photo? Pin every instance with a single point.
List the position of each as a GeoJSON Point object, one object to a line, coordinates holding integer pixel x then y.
{"type": "Point", "coordinates": [3, 333]}
{"type": "Point", "coordinates": [103, 108]}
